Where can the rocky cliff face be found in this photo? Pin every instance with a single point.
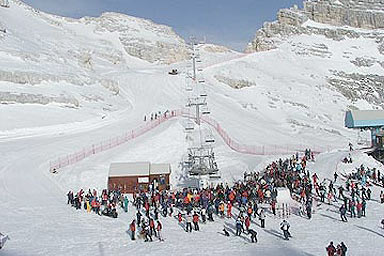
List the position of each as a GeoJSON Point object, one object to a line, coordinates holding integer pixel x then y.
{"type": "Point", "coordinates": [346, 36]}
{"type": "Point", "coordinates": [365, 14]}
{"type": "Point", "coordinates": [355, 13]}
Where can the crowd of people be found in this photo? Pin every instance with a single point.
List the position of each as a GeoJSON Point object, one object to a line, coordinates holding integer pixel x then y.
{"type": "Point", "coordinates": [101, 204]}
{"type": "Point", "coordinates": [249, 196]}
{"type": "Point", "coordinates": [157, 115]}
{"type": "Point", "coordinates": [339, 250]}
{"type": "Point", "coordinates": [246, 201]}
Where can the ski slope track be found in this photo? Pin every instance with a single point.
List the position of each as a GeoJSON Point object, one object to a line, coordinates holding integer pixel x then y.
{"type": "Point", "coordinates": [68, 85]}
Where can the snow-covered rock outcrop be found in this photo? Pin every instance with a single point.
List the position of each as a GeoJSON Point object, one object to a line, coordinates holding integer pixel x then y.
{"type": "Point", "coordinates": [346, 35]}
{"type": "Point", "coordinates": [142, 38]}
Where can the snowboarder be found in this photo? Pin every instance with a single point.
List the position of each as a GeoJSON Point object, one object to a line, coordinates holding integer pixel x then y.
{"type": "Point", "coordinates": [253, 234]}
{"type": "Point", "coordinates": [132, 228]}
{"type": "Point", "coordinates": [331, 250]}
{"type": "Point", "coordinates": [284, 226]}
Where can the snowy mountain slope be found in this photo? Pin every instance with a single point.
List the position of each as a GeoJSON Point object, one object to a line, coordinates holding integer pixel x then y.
{"type": "Point", "coordinates": [56, 103]}
{"type": "Point", "coordinates": [66, 64]}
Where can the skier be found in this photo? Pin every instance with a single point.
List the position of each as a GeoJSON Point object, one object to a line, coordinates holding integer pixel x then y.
{"type": "Point", "coordinates": [382, 223]}
{"type": "Point", "coordinates": [196, 221]}
{"type": "Point", "coordinates": [125, 204]}
{"type": "Point", "coordinates": [343, 211]}
{"type": "Point", "coordinates": [138, 218]}
{"type": "Point", "coordinates": [239, 226]}
{"type": "Point", "coordinates": [229, 209]}
{"type": "Point", "coordinates": [203, 213]}
{"type": "Point", "coordinates": [262, 218]}
{"type": "Point", "coordinates": [147, 232]}
{"type": "Point", "coordinates": [132, 227]}
{"type": "Point", "coordinates": [350, 146]}
{"type": "Point", "coordinates": [343, 249]}
{"type": "Point", "coordinates": [335, 177]}
{"type": "Point", "coordinates": [253, 234]}
{"type": "Point", "coordinates": [273, 206]}
{"type": "Point", "coordinates": [188, 220]}
{"type": "Point", "coordinates": [152, 229]}
{"type": "Point", "coordinates": [284, 226]}
{"type": "Point", "coordinates": [331, 250]}
{"type": "Point", "coordinates": [159, 228]}
{"type": "Point", "coordinates": [247, 223]}
{"type": "Point", "coordinates": [180, 217]}
{"type": "Point", "coordinates": [225, 232]}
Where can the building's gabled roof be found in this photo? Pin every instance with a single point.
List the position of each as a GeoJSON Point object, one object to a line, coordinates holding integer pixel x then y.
{"type": "Point", "coordinates": [129, 169]}
{"type": "Point", "coordinates": [160, 169]}
{"type": "Point", "coordinates": [364, 118]}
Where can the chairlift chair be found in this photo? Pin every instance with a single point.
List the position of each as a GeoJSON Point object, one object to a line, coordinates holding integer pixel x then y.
{"type": "Point", "coordinates": [205, 111]}
{"type": "Point", "coordinates": [209, 139]}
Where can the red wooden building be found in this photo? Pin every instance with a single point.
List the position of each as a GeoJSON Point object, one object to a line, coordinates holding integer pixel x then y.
{"type": "Point", "coordinates": [138, 176]}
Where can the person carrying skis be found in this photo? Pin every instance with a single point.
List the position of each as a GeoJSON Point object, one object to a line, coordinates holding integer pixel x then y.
{"type": "Point", "coordinates": [196, 221]}
{"type": "Point", "coordinates": [253, 234]}
{"type": "Point", "coordinates": [284, 226]}
{"type": "Point", "coordinates": [132, 228]}
{"type": "Point", "coordinates": [331, 250]}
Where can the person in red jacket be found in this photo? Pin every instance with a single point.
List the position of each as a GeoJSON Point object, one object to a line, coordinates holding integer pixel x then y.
{"type": "Point", "coordinates": [229, 209]}
{"type": "Point", "coordinates": [247, 223]}
{"type": "Point", "coordinates": [132, 227]}
{"type": "Point", "coordinates": [159, 228]}
{"type": "Point", "coordinates": [331, 250]}
{"type": "Point", "coordinates": [196, 221]}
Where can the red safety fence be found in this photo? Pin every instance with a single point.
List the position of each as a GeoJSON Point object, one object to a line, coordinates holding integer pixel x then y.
{"type": "Point", "coordinates": [111, 143]}
{"type": "Point", "coordinates": [130, 135]}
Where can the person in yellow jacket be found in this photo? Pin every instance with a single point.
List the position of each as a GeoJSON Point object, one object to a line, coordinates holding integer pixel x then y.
{"type": "Point", "coordinates": [221, 209]}
{"type": "Point", "coordinates": [88, 206]}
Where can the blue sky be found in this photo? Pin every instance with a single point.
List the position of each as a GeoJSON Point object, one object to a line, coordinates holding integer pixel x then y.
{"type": "Point", "coordinates": [228, 22]}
